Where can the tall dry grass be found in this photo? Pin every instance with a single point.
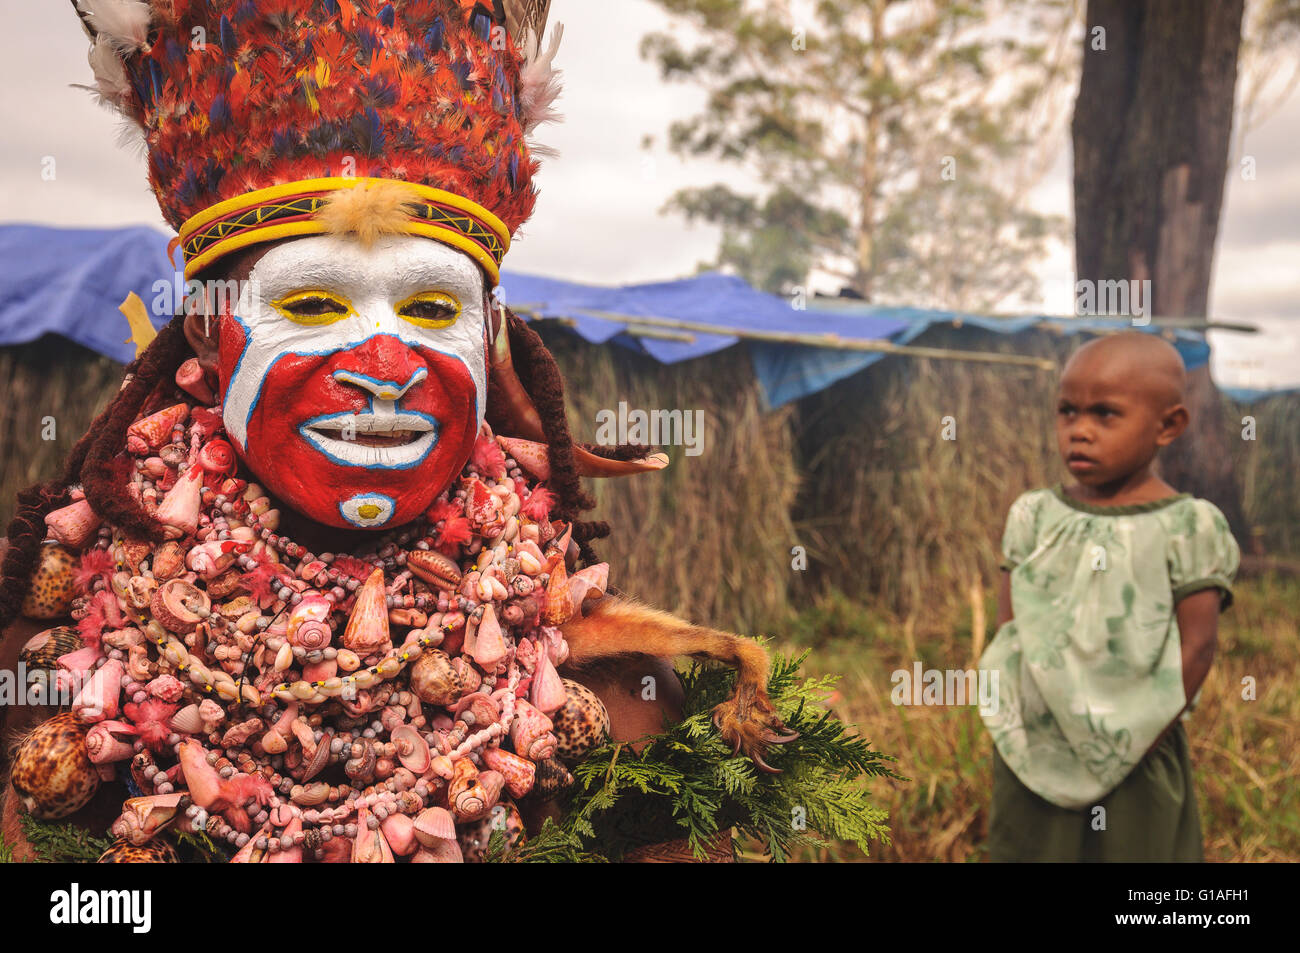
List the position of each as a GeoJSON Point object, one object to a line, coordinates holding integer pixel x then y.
{"type": "Point", "coordinates": [48, 380]}
{"type": "Point", "coordinates": [1268, 468]}
{"type": "Point", "coordinates": [710, 536]}
{"type": "Point", "coordinates": [895, 513]}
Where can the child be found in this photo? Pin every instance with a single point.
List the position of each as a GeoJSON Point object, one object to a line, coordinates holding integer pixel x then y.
{"type": "Point", "coordinates": [1115, 584]}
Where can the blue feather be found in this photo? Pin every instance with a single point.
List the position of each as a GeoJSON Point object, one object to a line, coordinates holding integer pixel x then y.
{"type": "Point", "coordinates": [226, 35]}
{"type": "Point", "coordinates": [368, 132]}
{"type": "Point", "coordinates": [174, 52]}
{"type": "Point", "coordinates": [436, 36]}
{"type": "Point", "coordinates": [381, 91]}
{"type": "Point", "coordinates": [283, 143]}
{"type": "Point", "coordinates": [331, 7]}
{"type": "Point", "coordinates": [324, 137]}
{"type": "Point", "coordinates": [187, 189]}
{"type": "Point", "coordinates": [214, 172]}
{"type": "Point", "coordinates": [156, 78]}
{"type": "Point", "coordinates": [406, 140]}
{"type": "Point", "coordinates": [386, 15]}
{"type": "Point", "coordinates": [368, 41]}
{"type": "Point", "coordinates": [461, 69]}
{"type": "Point", "coordinates": [219, 113]}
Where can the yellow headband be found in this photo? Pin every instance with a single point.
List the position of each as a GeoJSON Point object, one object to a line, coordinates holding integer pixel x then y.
{"type": "Point", "coordinates": [291, 209]}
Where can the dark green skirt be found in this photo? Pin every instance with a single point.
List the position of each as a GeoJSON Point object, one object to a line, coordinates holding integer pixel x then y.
{"type": "Point", "coordinates": [1151, 816]}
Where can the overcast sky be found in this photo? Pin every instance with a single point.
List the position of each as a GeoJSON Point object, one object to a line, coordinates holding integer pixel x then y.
{"type": "Point", "coordinates": [597, 216]}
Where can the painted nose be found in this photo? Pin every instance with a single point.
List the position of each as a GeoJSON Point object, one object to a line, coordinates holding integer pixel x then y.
{"type": "Point", "coordinates": [385, 367]}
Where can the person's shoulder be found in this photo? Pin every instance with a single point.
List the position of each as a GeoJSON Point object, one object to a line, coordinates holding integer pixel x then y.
{"type": "Point", "coordinates": [1198, 515]}
{"type": "Point", "coordinates": [1031, 500]}
{"type": "Point", "coordinates": [1209, 518]}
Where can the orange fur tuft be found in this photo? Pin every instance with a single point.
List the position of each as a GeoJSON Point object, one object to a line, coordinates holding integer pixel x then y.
{"type": "Point", "coordinates": [622, 627]}
{"type": "Point", "coordinates": [370, 210]}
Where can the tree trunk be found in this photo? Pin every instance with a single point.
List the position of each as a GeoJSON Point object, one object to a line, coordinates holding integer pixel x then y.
{"type": "Point", "coordinates": [865, 271]}
{"type": "Point", "coordinates": [1151, 132]}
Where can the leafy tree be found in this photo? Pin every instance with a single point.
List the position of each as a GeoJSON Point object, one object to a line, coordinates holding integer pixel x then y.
{"type": "Point", "coordinates": [898, 138]}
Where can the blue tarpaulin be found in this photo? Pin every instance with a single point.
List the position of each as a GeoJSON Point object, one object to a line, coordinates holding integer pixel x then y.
{"type": "Point", "coordinates": [70, 282]}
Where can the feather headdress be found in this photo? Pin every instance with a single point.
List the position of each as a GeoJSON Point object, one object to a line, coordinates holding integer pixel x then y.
{"type": "Point", "coordinates": [255, 113]}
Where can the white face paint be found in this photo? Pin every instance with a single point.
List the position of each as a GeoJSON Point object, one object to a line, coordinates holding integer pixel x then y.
{"type": "Point", "coordinates": [354, 379]}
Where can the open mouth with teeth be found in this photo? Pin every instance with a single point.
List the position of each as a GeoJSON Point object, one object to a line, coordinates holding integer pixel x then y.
{"type": "Point", "coordinates": [395, 440]}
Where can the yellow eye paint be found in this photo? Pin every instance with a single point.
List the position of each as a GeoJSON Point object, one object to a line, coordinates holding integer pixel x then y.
{"type": "Point", "coordinates": [313, 307]}
{"type": "Point", "coordinates": [429, 309]}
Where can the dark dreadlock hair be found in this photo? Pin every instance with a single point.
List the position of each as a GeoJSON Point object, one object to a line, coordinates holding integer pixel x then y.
{"type": "Point", "coordinates": [97, 463]}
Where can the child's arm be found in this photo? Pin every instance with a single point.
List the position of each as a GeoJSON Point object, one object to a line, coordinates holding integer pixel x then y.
{"type": "Point", "coordinates": [1198, 627]}
{"type": "Point", "coordinates": [1005, 613]}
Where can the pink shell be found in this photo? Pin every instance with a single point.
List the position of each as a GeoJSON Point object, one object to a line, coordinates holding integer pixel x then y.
{"type": "Point", "coordinates": [489, 644]}
{"type": "Point", "coordinates": [412, 749]}
{"type": "Point", "coordinates": [370, 847]}
{"type": "Point", "coordinates": [589, 583]}
{"type": "Point", "coordinates": [190, 379]}
{"type": "Point", "coordinates": [547, 691]}
{"type": "Point", "coordinates": [179, 510]}
{"type": "Point", "coordinates": [434, 824]}
{"type": "Point", "coordinates": [167, 687]}
{"type": "Point", "coordinates": [217, 457]}
{"type": "Point", "coordinates": [102, 745]}
{"type": "Point", "coordinates": [309, 622]}
{"type": "Point", "coordinates": [529, 454]}
{"type": "Point", "coordinates": [73, 525]}
{"type": "Point", "coordinates": [101, 697]}
{"type": "Point", "coordinates": [399, 831]}
{"type": "Point", "coordinates": [443, 852]}
{"type": "Point", "coordinates": [519, 773]}
{"type": "Point", "coordinates": [153, 431]}
{"type": "Point", "coordinates": [367, 630]}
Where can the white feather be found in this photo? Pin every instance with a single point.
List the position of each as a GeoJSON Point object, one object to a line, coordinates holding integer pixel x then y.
{"type": "Point", "coordinates": [125, 23]}
{"type": "Point", "coordinates": [130, 136]}
{"type": "Point", "coordinates": [539, 83]}
{"type": "Point", "coordinates": [111, 84]}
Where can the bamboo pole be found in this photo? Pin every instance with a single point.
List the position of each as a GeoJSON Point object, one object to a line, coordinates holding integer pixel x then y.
{"type": "Point", "coordinates": [1177, 322]}
{"type": "Point", "coordinates": [812, 339]}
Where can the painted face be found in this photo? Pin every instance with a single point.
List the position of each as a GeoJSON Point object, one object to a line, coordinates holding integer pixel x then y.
{"type": "Point", "coordinates": [354, 380]}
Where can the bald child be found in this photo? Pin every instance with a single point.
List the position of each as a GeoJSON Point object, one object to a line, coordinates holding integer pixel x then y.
{"type": "Point", "coordinates": [1108, 620]}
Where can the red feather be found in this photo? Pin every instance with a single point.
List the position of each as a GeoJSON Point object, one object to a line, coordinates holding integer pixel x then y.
{"type": "Point", "coordinates": [351, 566]}
{"type": "Point", "coordinates": [454, 532]}
{"type": "Point", "coordinates": [538, 505]}
{"type": "Point", "coordinates": [487, 456]}
{"type": "Point", "coordinates": [445, 510]}
{"type": "Point", "coordinates": [91, 627]}
{"type": "Point", "coordinates": [95, 563]}
{"type": "Point", "coordinates": [263, 582]}
{"type": "Point", "coordinates": [151, 718]}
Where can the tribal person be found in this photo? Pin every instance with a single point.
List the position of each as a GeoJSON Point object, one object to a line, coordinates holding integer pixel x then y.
{"type": "Point", "coordinates": [332, 521]}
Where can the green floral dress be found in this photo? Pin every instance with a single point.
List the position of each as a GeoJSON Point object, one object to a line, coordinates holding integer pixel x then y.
{"type": "Point", "coordinates": [1089, 672]}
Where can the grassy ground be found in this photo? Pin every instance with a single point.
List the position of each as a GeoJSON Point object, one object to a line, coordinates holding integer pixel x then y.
{"type": "Point", "coordinates": [1246, 753]}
